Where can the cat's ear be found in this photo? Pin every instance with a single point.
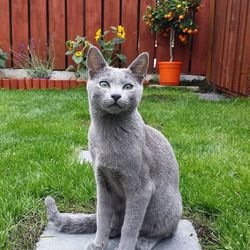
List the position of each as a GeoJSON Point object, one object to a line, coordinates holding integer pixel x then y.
{"type": "Point", "coordinates": [95, 61]}
{"type": "Point", "coordinates": [139, 67]}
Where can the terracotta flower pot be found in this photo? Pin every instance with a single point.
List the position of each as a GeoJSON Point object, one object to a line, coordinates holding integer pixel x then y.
{"type": "Point", "coordinates": [21, 83]}
{"type": "Point", "coordinates": [28, 83]}
{"type": "Point", "coordinates": [51, 83]}
{"type": "Point", "coordinates": [1, 83]}
{"type": "Point", "coordinates": [170, 73]}
{"type": "Point", "coordinates": [43, 83]}
{"type": "Point", "coordinates": [36, 83]}
{"type": "Point", "coordinates": [6, 83]}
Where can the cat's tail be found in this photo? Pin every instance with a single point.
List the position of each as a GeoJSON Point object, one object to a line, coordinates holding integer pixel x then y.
{"type": "Point", "coordinates": [69, 223]}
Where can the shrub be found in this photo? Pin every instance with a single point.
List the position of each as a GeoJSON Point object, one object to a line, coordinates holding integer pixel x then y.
{"type": "Point", "coordinates": [110, 49]}
{"type": "Point", "coordinates": [35, 66]}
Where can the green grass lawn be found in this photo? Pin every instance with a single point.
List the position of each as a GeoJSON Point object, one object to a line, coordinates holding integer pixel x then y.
{"type": "Point", "coordinates": [41, 132]}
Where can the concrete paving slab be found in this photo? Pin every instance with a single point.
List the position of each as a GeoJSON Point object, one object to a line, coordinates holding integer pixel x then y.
{"type": "Point", "coordinates": [211, 96]}
{"type": "Point", "coordinates": [185, 238]}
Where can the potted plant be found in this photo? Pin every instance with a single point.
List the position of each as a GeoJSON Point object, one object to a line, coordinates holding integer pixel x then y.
{"type": "Point", "coordinates": [173, 17]}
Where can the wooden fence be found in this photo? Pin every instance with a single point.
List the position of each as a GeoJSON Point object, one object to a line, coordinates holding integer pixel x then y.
{"type": "Point", "coordinates": [230, 67]}
{"type": "Point", "coordinates": [59, 20]}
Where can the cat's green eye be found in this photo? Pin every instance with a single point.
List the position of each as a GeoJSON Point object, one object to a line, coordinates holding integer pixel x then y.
{"type": "Point", "coordinates": [128, 86]}
{"type": "Point", "coordinates": [104, 84]}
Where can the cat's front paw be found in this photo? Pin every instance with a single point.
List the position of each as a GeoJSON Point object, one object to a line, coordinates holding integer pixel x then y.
{"type": "Point", "coordinates": [93, 246]}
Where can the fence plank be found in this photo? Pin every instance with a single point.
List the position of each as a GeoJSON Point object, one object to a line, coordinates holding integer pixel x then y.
{"type": "Point", "coordinates": [226, 47]}
{"type": "Point", "coordinates": [57, 31]}
{"type": "Point", "coordinates": [111, 14]}
{"type": "Point", "coordinates": [20, 34]}
{"type": "Point", "coordinates": [38, 27]}
{"type": "Point", "coordinates": [239, 46]}
{"type": "Point", "coordinates": [162, 49]}
{"type": "Point", "coordinates": [217, 55]}
{"type": "Point", "coordinates": [244, 86]}
{"type": "Point", "coordinates": [75, 21]}
{"type": "Point", "coordinates": [225, 80]}
{"type": "Point", "coordinates": [129, 21]}
{"type": "Point", "coordinates": [182, 54]}
{"type": "Point", "coordinates": [211, 30]}
{"type": "Point", "coordinates": [146, 38]}
{"type": "Point", "coordinates": [5, 29]}
{"type": "Point", "coordinates": [109, 19]}
{"type": "Point", "coordinates": [199, 47]}
{"type": "Point", "coordinates": [233, 42]}
{"type": "Point", "coordinates": [93, 18]}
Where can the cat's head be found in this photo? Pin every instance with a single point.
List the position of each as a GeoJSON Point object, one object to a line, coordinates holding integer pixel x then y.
{"type": "Point", "coordinates": [113, 90]}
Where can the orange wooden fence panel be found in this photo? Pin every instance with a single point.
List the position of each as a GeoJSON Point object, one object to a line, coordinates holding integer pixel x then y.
{"type": "Point", "coordinates": [5, 28]}
{"type": "Point", "coordinates": [200, 40]}
{"type": "Point", "coordinates": [55, 21]}
{"type": "Point", "coordinates": [38, 27]}
{"type": "Point", "coordinates": [231, 47]}
{"type": "Point", "coordinates": [146, 40]}
{"type": "Point", "coordinates": [75, 21]}
{"type": "Point", "coordinates": [129, 21]}
{"type": "Point", "coordinates": [20, 30]}
{"type": "Point", "coordinates": [57, 31]}
{"type": "Point", "coordinates": [93, 18]}
{"type": "Point", "coordinates": [111, 11]}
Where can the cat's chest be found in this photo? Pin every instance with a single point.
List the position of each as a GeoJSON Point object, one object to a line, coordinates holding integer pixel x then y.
{"type": "Point", "coordinates": [115, 149]}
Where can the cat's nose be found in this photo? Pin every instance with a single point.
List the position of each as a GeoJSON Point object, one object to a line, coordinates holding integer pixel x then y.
{"type": "Point", "coordinates": [116, 97]}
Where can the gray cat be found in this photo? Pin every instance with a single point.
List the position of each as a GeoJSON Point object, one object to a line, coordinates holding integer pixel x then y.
{"type": "Point", "coordinates": [135, 167]}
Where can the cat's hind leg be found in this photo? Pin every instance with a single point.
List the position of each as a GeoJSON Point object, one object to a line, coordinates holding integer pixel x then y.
{"type": "Point", "coordinates": [69, 223]}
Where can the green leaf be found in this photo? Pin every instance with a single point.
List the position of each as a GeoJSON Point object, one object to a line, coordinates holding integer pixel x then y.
{"type": "Point", "coordinates": [76, 45]}
{"type": "Point", "coordinates": [101, 42]}
{"type": "Point", "coordinates": [2, 63]}
{"type": "Point", "coordinates": [118, 40]}
{"type": "Point", "coordinates": [77, 59]}
{"type": "Point", "coordinates": [122, 57]}
{"type": "Point", "coordinates": [70, 68]}
{"type": "Point", "coordinates": [109, 60]}
{"type": "Point", "coordinates": [4, 56]}
{"type": "Point", "coordinates": [69, 52]}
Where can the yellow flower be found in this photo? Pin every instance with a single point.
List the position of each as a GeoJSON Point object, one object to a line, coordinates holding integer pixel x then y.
{"type": "Point", "coordinates": [78, 53]}
{"type": "Point", "coordinates": [98, 34]}
{"type": "Point", "coordinates": [120, 32]}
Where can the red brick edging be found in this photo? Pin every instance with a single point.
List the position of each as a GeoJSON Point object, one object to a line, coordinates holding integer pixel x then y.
{"type": "Point", "coordinates": [36, 83]}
